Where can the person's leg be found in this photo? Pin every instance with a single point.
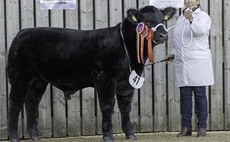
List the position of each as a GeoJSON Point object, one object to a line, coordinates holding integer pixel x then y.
{"type": "Point", "coordinates": [186, 106]}
{"type": "Point", "coordinates": [201, 109]}
{"type": "Point", "coordinates": [186, 110]}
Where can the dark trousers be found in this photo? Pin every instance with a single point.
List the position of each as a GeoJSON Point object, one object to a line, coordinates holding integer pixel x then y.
{"type": "Point", "coordinates": [200, 102]}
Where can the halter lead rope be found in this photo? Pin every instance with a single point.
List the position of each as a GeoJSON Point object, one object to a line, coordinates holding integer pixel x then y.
{"type": "Point", "coordinates": [182, 37]}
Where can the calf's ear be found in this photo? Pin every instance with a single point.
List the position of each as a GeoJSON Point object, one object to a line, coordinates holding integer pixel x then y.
{"type": "Point", "coordinates": [133, 14]}
{"type": "Point", "coordinates": [168, 12]}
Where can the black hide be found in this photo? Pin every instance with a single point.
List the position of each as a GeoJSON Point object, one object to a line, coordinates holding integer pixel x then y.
{"type": "Point", "coordinates": [74, 59]}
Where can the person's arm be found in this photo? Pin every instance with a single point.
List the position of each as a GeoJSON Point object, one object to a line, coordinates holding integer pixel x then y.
{"type": "Point", "coordinates": [201, 24]}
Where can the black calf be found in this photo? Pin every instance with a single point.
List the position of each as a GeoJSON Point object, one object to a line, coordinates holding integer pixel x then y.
{"type": "Point", "coordinates": [74, 59]}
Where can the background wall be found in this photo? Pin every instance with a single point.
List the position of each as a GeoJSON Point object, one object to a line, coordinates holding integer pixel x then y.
{"type": "Point", "coordinates": [156, 106]}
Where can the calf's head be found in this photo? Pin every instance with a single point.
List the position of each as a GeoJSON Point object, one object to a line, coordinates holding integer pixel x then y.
{"type": "Point", "coordinates": [154, 19]}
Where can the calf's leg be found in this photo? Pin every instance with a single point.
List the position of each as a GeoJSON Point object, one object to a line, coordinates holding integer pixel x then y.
{"type": "Point", "coordinates": [105, 86]}
{"type": "Point", "coordinates": [107, 107]}
{"type": "Point", "coordinates": [35, 94]}
{"type": "Point", "coordinates": [124, 104]}
{"type": "Point", "coordinates": [19, 89]}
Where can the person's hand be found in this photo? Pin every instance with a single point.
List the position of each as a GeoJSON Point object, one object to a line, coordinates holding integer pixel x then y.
{"type": "Point", "coordinates": [169, 57]}
{"type": "Point", "coordinates": [188, 15]}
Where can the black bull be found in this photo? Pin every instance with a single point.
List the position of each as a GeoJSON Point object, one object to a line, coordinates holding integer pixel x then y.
{"type": "Point", "coordinates": [74, 59]}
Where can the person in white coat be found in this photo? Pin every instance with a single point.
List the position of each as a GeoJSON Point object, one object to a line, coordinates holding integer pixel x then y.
{"type": "Point", "coordinates": [193, 64]}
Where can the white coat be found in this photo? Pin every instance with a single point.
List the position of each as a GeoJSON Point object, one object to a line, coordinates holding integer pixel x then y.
{"type": "Point", "coordinates": [193, 64]}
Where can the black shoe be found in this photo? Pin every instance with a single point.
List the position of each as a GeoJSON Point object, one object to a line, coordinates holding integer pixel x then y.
{"type": "Point", "coordinates": [201, 132]}
{"type": "Point", "coordinates": [185, 132]}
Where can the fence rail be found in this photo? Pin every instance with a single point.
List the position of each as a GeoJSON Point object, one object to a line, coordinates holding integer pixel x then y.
{"type": "Point", "coordinates": [156, 106]}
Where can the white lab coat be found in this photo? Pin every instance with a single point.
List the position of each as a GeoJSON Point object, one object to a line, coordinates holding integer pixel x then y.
{"type": "Point", "coordinates": [193, 64]}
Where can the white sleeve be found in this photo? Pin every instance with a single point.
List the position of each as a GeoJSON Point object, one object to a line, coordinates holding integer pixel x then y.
{"type": "Point", "coordinates": [201, 24]}
{"type": "Point", "coordinates": [173, 51]}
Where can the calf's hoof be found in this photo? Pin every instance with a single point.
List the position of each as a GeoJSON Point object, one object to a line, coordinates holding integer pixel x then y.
{"type": "Point", "coordinates": [35, 139]}
{"type": "Point", "coordinates": [14, 140]}
{"type": "Point", "coordinates": [131, 137]}
{"type": "Point", "coordinates": [108, 138]}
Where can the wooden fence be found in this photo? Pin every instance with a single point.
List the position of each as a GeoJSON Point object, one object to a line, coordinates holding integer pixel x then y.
{"type": "Point", "coordinates": [156, 106]}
